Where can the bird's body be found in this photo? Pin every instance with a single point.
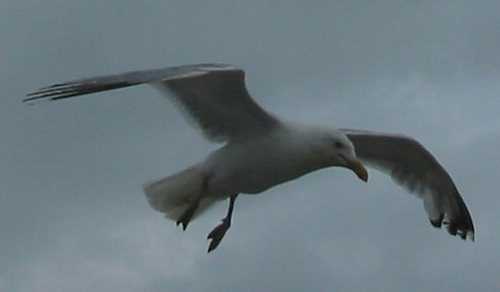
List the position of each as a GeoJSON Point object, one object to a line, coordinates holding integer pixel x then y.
{"type": "Point", "coordinates": [260, 151]}
{"type": "Point", "coordinates": [247, 166]}
{"type": "Point", "coordinates": [255, 165]}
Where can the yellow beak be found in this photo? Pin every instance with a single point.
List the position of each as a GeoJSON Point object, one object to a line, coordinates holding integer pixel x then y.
{"type": "Point", "coordinates": [358, 168]}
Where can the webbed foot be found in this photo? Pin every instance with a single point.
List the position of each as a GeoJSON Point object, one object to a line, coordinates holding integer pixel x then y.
{"type": "Point", "coordinates": [217, 234]}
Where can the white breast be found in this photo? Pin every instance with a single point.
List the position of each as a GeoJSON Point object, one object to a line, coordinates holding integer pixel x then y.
{"type": "Point", "coordinates": [259, 164]}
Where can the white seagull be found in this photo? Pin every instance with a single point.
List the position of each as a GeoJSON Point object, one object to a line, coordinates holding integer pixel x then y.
{"type": "Point", "coordinates": [260, 151]}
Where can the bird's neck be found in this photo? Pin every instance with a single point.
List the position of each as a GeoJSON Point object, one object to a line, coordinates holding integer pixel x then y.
{"type": "Point", "coordinates": [302, 143]}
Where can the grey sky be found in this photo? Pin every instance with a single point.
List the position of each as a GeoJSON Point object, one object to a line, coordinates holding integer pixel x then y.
{"type": "Point", "coordinates": [72, 212]}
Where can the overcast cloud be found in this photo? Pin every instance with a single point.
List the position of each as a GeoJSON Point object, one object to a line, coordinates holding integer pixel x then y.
{"type": "Point", "coordinates": [72, 213]}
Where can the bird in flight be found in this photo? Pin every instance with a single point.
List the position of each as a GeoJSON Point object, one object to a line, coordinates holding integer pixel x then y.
{"type": "Point", "coordinates": [260, 151]}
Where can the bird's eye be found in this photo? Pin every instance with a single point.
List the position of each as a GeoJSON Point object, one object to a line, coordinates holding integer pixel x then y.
{"type": "Point", "coordinates": [339, 145]}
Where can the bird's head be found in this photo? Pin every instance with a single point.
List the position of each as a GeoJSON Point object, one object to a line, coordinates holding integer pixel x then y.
{"type": "Point", "coordinates": [339, 151]}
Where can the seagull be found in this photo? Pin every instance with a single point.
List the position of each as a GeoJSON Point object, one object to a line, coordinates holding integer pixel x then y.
{"type": "Point", "coordinates": [259, 151]}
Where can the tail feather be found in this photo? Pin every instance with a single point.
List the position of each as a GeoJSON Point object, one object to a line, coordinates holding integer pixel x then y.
{"type": "Point", "coordinates": [173, 194]}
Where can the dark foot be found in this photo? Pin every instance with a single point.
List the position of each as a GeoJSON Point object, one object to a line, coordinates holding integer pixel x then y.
{"type": "Point", "coordinates": [217, 234]}
{"type": "Point", "coordinates": [186, 216]}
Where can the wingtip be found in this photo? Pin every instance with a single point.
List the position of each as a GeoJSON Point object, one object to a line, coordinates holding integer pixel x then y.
{"type": "Point", "coordinates": [51, 92]}
{"type": "Point", "coordinates": [30, 99]}
{"type": "Point", "coordinates": [464, 232]}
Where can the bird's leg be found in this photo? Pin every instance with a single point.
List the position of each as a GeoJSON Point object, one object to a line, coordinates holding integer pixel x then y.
{"type": "Point", "coordinates": [185, 218]}
{"type": "Point", "coordinates": [218, 232]}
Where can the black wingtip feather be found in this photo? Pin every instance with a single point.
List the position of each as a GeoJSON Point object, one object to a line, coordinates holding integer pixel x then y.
{"type": "Point", "coordinates": [70, 89]}
{"type": "Point", "coordinates": [437, 222]}
{"type": "Point", "coordinates": [460, 226]}
{"type": "Point", "coordinates": [52, 92]}
{"type": "Point", "coordinates": [452, 229]}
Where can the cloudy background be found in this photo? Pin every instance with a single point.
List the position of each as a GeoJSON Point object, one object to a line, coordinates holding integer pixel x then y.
{"type": "Point", "coordinates": [72, 213]}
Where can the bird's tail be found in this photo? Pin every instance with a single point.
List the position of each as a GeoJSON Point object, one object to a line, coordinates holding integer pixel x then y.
{"type": "Point", "coordinates": [174, 194]}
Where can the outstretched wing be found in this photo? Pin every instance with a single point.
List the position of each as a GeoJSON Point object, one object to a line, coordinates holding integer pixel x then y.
{"type": "Point", "coordinates": [413, 167]}
{"type": "Point", "coordinates": [213, 94]}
